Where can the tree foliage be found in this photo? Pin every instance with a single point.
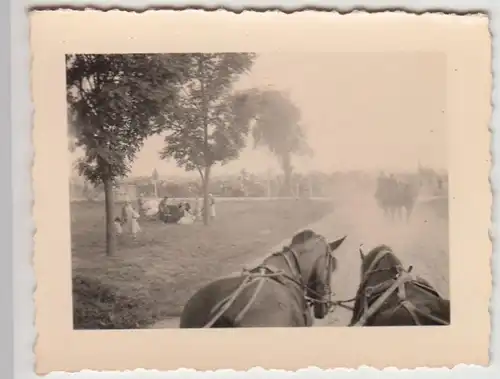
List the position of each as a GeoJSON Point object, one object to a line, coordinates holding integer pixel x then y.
{"type": "Point", "coordinates": [278, 126]}
{"type": "Point", "coordinates": [207, 126]}
{"type": "Point", "coordinates": [204, 129]}
{"type": "Point", "coordinates": [115, 102]}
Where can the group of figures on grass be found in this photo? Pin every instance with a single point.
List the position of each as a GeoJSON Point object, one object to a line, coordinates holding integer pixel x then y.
{"type": "Point", "coordinates": [293, 286]}
{"type": "Point", "coordinates": [165, 210]}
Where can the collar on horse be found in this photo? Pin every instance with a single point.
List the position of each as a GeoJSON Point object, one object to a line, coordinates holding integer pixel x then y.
{"type": "Point", "coordinates": [261, 273]}
{"type": "Point", "coordinates": [296, 273]}
{"type": "Point", "coordinates": [385, 289]}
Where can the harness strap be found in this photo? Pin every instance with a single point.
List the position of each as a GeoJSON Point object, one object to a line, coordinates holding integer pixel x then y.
{"type": "Point", "coordinates": [295, 270]}
{"type": "Point", "coordinates": [222, 306]}
{"type": "Point", "coordinates": [428, 315]}
{"type": "Point", "coordinates": [242, 313]}
{"type": "Point", "coordinates": [404, 303]}
{"type": "Point", "coordinates": [402, 292]}
{"type": "Point", "coordinates": [403, 277]}
{"type": "Point", "coordinates": [225, 303]}
{"type": "Point", "coordinates": [374, 263]}
{"type": "Point", "coordinates": [411, 310]}
{"type": "Point", "coordinates": [425, 287]}
{"type": "Point", "coordinates": [378, 257]}
{"type": "Point", "coordinates": [378, 288]}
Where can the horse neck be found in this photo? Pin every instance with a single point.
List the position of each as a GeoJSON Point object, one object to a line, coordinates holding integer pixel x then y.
{"type": "Point", "coordinates": [286, 261]}
{"type": "Point", "coordinates": [383, 270]}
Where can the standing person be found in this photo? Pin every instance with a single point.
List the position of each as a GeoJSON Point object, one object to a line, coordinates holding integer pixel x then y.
{"type": "Point", "coordinates": [211, 204]}
{"type": "Point", "coordinates": [118, 226]}
{"type": "Point", "coordinates": [187, 218]}
{"type": "Point", "coordinates": [129, 218]}
{"type": "Point", "coordinates": [163, 210]}
{"type": "Point", "coordinates": [140, 203]}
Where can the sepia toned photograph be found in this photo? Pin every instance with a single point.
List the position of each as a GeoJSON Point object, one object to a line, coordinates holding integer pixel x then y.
{"type": "Point", "coordinates": [210, 195]}
{"type": "Point", "coordinates": [205, 194]}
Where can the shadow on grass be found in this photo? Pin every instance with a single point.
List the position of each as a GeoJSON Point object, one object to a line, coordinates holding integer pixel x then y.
{"type": "Point", "coordinates": [97, 306]}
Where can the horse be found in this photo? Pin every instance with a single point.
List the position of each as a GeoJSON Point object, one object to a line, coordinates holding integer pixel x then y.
{"type": "Point", "coordinates": [277, 293]}
{"type": "Point", "coordinates": [389, 295]}
{"type": "Point", "coordinates": [384, 195]}
{"type": "Point", "coordinates": [406, 197]}
{"type": "Point", "coordinates": [394, 196]}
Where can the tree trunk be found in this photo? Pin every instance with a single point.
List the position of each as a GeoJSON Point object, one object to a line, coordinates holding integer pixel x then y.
{"type": "Point", "coordinates": [110, 207]}
{"type": "Point", "coordinates": [206, 147]}
{"type": "Point", "coordinates": [287, 171]}
{"type": "Point", "coordinates": [206, 205]}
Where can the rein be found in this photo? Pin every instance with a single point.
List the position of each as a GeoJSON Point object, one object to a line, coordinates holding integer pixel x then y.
{"type": "Point", "coordinates": [343, 303]}
{"type": "Point", "coordinates": [264, 273]}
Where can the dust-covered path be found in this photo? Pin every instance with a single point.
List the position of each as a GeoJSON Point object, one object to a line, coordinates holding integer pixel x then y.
{"type": "Point", "coordinates": [423, 243]}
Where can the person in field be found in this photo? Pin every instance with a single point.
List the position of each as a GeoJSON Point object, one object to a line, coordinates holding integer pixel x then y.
{"type": "Point", "coordinates": [140, 202]}
{"type": "Point", "coordinates": [163, 210]}
{"type": "Point", "coordinates": [118, 226]}
{"type": "Point", "coordinates": [211, 204]}
{"type": "Point", "coordinates": [187, 217]}
{"type": "Point", "coordinates": [129, 218]}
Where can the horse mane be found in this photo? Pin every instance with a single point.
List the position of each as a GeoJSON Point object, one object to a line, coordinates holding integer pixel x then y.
{"type": "Point", "coordinates": [299, 238]}
{"type": "Point", "coordinates": [367, 261]}
{"type": "Point", "coordinates": [370, 256]}
{"type": "Point", "coordinates": [303, 236]}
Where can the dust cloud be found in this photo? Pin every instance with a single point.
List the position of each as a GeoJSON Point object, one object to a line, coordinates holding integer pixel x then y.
{"type": "Point", "coordinates": [422, 242]}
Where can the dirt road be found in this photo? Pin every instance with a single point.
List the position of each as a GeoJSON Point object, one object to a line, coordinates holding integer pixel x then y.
{"type": "Point", "coordinates": [422, 243]}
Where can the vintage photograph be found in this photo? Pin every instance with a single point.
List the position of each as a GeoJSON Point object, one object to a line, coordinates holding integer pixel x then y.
{"type": "Point", "coordinates": [212, 190]}
{"type": "Point", "coordinates": [236, 190]}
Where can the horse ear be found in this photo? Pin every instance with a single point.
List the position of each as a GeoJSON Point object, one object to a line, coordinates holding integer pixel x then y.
{"type": "Point", "coordinates": [335, 244]}
{"type": "Point", "coordinates": [361, 254]}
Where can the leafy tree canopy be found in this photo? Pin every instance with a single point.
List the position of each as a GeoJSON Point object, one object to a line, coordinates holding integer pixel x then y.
{"type": "Point", "coordinates": [278, 124]}
{"type": "Point", "coordinates": [209, 125]}
{"type": "Point", "coordinates": [115, 102]}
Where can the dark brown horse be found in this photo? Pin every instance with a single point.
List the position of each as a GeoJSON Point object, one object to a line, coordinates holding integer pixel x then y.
{"type": "Point", "coordinates": [277, 293]}
{"type": "Point", "coordinates": [395, 196]}
{"type": "Point", "coordinates": [389, 295]}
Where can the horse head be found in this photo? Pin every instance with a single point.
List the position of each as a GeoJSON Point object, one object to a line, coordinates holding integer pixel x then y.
{"type": "Point", "coordinates": [318, 264]}
{"type": "Point", "coordinates": [380, 259]}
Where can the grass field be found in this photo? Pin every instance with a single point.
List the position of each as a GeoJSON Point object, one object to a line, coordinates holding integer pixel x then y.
{"type": "Point", "coordinates": [152, 277]}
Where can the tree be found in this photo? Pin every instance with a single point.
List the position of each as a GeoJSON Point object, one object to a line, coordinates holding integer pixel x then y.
{"type": "Point", "coordinates": [210, 123]}
{"type": "Point", "coordinates": [115, 101]}
{"type": "Point", "coordinates": [155, 175]}
{"type": "Point", "coordinates": [278, 128]}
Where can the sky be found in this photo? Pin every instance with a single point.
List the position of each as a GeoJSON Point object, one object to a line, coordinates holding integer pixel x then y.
{"type": "Point", "coordinates": [360, 111]}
